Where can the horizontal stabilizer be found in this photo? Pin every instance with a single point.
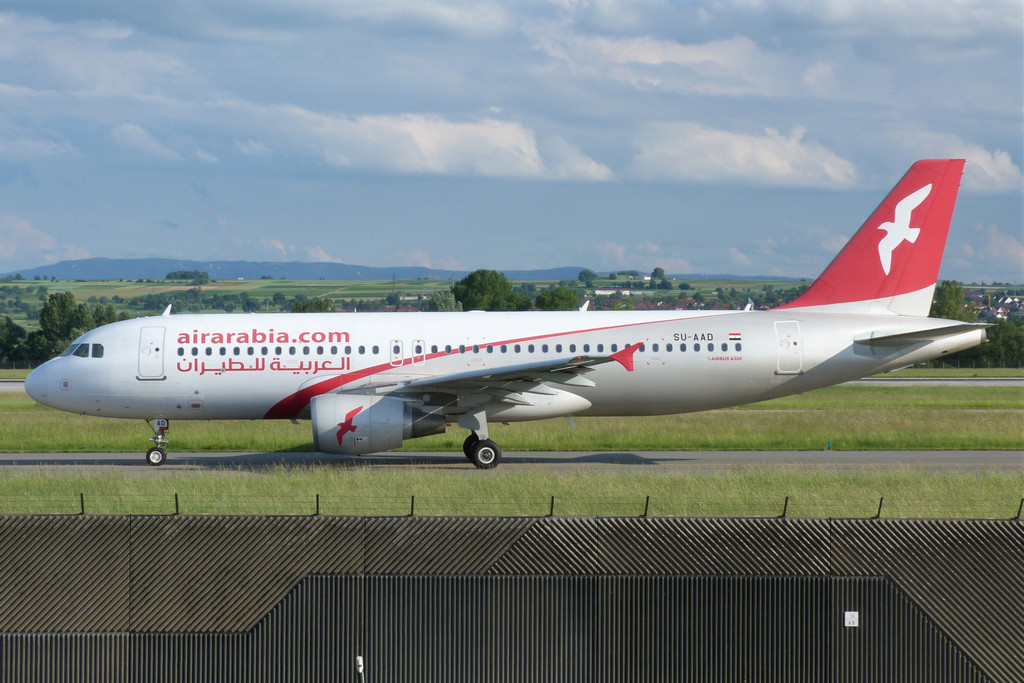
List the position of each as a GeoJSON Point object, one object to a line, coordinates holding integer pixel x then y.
{"type": "Point", "coordinates": [916, 336]}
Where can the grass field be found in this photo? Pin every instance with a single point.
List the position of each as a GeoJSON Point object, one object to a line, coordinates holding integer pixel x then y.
{"type": "Point", "coordinates": [853, 417]}
{"type": "Point", "coordinates": [754, 491]}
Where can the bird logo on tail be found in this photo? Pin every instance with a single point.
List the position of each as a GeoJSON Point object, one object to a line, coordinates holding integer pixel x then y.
{"type": "Point", "coordinates": [899, 230]}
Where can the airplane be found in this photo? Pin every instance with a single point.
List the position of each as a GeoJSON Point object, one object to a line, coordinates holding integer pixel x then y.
{"type": "Point", "coordinates": [370, 381]}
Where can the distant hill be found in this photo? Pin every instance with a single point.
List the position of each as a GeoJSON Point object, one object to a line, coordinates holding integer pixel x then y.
{"type": "Point", "coordinates": [157, 268]}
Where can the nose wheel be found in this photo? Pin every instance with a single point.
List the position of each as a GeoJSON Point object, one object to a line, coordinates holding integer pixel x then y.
{"type": "Point", "coordinates": [157, 455]}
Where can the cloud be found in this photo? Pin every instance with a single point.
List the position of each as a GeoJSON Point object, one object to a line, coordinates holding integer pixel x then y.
{"type": "Point", "coordinates": [251, 147]}
{"type": "Point", "coordinates": [320, 255]}
{"type": "Point", "coordinates": [30, 149]}
{"type": "Point", "coordinates": [738, 257]}
{"type": "Point", "coordinates": [990, 255]}
{"type": "Point", "coordinates": [21, 243]}
{"type": "Point", "coordinates": [418, 257]}
{"type": "Point", "coordinates": [691, 151]}
{"type": "Point", "coordinates": [996, 252]}
{"type": "Point", "coordinates": [137, 138]}
{"type": "Point", "coordinates": [643, 256]}
{"type": "Point", "coordinates": [203, 155]}
{"type": "Point", "coordinates": [985, 171]}
{"type": "Point", "coordinates": [732, 66]}
{"type": "Point", "coordinates": [431, 144]}
{"type": "Point", "coordinates": [276, 247]}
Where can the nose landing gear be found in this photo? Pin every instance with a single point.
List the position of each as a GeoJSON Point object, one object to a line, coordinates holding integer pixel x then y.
{"type": "Point", "coordinates": [157, 455]}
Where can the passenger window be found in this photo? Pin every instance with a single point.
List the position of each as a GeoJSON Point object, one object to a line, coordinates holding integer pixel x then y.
{"type": "Point", "coordinates": [725, 347]}
{"type": "Point", "coordinates": [277, 350]}
{"type": "Point", "coordinates": [319, 350]}
{"type": "Point", "coordinates": [305, 350]}
{"type": "Point", "coordinates": [643, 347]}
{"type": "Point", "coordinates": [334, 350]}
{"type": "Point", "coordinates": [504, 348]}
{"type": "Point", "coordinates": [418, 349]}
{"type": "Point", "coordinates": [376, 350]}
{"type": "Point", "coordinates": [517, 348]}
{"type": "Point", "coordinates": [654, 347]}
{"type": "Point", "coordinates": [348, 350]}
{"type": "Point", "coordinates": [195, 351]}
{"type": "Point", "coordinates": [668, 347]}
{"type": "Point", "coordinates": [237, 351]}
{"type": "Point", "coordinates": [476, 348]}
{"type": "Point", "coordinates": [97, 350]}
{"type": "Point", "coordinates": [250, 350]}
{"type": "Point", "coordinates": [490, 349]}
{"type": "Point", "coordinates": [462, 348]}
{"type": "Point", "coordinates": [396, 349]}
{"type": "Point", "coordinates": [615, 347]}
{"type": "Point", "coordinates": [739, 347]}
{"type": "Point", "coordinates": [181, 351]}
{"type": "Point", "coordinates": [530, 348]}
{"type": "Point", "coordinates": [291, 350]}
{"type": "Point", "coordinates": [572, 348]}
{"type": "Point", "coordinates": [586, 348]}
{"type": "Point", "coordinates": [447, 348]}
{"type": "Point", "coordinates": [209, 351]}
{"type": "Point", "coordinates": [433, 348]}
{"type": "Point", "coordinates": [362, 350]}
{"type": "Point", "coordinates": [264, 350]}
{"type": "Point", "coordinates": [544, 348]}
{"type": "Point", "coordinates": [600, 348]}
{"type": "Point", "coordinates": [682, 348]}
{"type": "Point", "coordinates": [223, 351]}
{"type": "Point", "coordinates": [558, 348]}
{"type": "Point", "coordinates": [696, 347]}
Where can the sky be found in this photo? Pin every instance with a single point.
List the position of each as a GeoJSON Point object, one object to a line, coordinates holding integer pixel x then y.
{"type": "Point", "coordinates": [716, 136]}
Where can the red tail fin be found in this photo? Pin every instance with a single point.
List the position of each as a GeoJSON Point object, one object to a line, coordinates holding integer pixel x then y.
{"type": "Point", "coordinates": [891, 263]}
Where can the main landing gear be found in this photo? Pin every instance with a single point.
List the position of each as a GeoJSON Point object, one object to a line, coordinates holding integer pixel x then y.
{"type": "Point", "coordinates": [483, 453]}
{"type": "Point", "coordinates": [157, 455]}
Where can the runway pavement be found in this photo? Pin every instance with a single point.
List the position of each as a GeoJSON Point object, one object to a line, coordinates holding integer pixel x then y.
{"type": "Point", "coordinates": [662, 461]}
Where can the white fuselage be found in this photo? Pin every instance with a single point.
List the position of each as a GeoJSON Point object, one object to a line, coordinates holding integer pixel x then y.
{"type": "Point", "coordinates": [254, 366]}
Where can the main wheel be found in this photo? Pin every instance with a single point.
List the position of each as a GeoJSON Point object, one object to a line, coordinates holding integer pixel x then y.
{"type": "Point", "coordinates": [156, 456]}
{"type": "Point", "coordinates": [467, 445]}
{"type": "Point", "coordinates": [486, 454]}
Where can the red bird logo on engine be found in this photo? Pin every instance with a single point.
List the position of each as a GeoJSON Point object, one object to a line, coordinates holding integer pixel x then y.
{"type": "Point", "coordinates": [346, 426]}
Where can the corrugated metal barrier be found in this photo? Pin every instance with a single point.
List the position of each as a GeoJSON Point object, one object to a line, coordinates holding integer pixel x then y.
{"type": "Point", "coordinates": [180, 598]}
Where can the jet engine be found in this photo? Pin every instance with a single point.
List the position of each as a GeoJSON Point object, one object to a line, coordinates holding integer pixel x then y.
{"type": "Point", "coordinates": [352, 424]}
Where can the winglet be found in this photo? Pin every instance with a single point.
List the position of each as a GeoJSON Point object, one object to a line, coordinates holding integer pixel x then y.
{"type": "Point", "coordinates": [167, 311]}
{"type": "Point", "coordinates": [625, 356]}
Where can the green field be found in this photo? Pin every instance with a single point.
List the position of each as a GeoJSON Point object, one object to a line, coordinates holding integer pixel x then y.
{"type": "Point", "coordinates": [754, 491]}
{"type": "Point", "coordinates": [852, 417]}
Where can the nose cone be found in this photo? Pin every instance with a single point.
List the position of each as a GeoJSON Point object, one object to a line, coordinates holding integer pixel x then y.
{"type": "Point", "coordinates": [37, 383]}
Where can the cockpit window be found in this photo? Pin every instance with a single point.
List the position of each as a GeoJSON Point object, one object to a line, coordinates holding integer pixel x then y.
{"type": "Point", "coordinates": [70, 350]}
{"type": "Point", "coordinates": [82, 351]}
{"type": "Point", "coordinates": [97, 350]}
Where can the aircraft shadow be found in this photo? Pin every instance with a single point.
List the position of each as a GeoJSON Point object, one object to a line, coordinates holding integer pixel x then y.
{"type": "Point", "coordinates": [273, 459]}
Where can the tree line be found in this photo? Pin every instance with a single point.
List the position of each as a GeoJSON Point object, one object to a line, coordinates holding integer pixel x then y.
{"type": "Point", "coordinates": [62, 318]}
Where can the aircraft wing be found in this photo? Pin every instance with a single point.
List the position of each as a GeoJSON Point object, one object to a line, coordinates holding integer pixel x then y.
{"type": "Point", "coordinates": [509, 384]}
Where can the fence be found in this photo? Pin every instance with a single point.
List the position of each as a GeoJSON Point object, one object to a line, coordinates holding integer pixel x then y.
{"type": "Point", "coordinates": [315, 504]}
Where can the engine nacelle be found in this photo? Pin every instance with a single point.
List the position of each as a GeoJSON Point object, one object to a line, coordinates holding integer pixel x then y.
{"type": "Point", "coordinates": [351, 424]}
